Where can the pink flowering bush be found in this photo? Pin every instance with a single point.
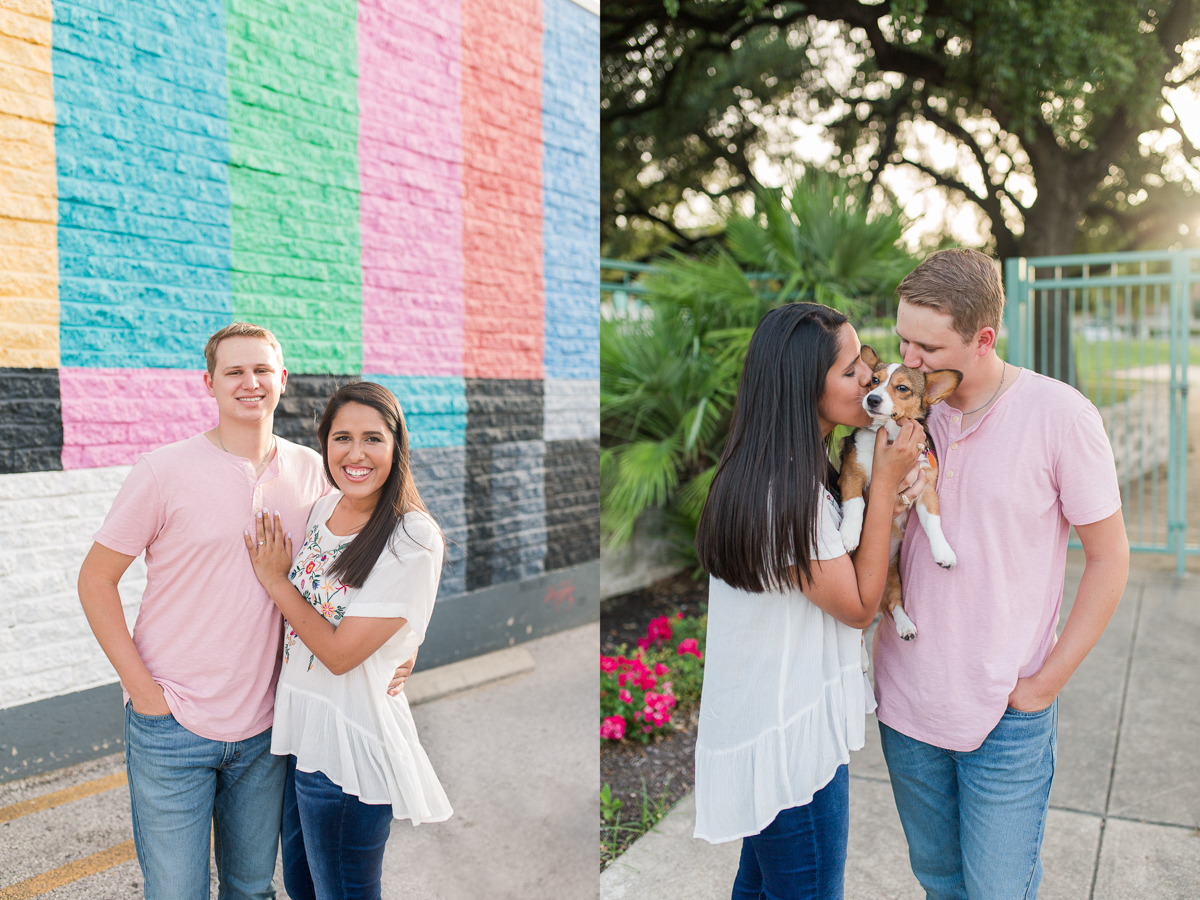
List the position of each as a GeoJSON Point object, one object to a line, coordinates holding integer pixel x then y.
{"type": "Point", "coordinates": [634, 703]}
{"type": "Point", "coordinates": [661, 679]}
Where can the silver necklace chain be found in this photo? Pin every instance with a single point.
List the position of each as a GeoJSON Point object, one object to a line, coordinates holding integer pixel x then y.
{"type": "Point", "coordinates": [217, 431]}
{"type": "Point", "coordinates": [994, 396]}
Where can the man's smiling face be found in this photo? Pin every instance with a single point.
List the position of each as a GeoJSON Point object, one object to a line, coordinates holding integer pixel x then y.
{"type": "Point", "coordinates": [247, 379]}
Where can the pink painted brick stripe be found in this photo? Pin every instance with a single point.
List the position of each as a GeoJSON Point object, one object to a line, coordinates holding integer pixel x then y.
{"type": "Point", "coordinates": [112, 416]}
{"type": "Point", "coordinates": [410, 181]}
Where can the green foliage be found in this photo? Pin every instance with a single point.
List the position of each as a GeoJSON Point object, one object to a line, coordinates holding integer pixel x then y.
{"type": "Point", "coordinates": [616, 835]}
{"type": "Point", "coordinates": [668, 381]}
{"type": "Point", "coordinates": [1068, 97]}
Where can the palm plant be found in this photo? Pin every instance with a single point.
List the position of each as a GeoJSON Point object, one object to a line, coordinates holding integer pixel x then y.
{"type": "Point", "coordinates": [668, 380]}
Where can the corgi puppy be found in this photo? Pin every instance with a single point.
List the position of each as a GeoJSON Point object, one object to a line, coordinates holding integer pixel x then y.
{"type": "Point", "coordinates": [896, 392]}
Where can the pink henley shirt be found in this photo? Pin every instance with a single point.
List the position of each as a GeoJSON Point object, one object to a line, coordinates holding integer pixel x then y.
{"type": "Point", "coordinates": [207, 630]}
{"type": "Point", "coordinates": [1010, 487]}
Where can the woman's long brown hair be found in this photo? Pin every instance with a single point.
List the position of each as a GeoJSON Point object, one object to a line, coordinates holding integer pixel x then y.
{"type": "Point", "coordinates": [764, 504]}
{"type": "Point", "coordinates": [399, 494]}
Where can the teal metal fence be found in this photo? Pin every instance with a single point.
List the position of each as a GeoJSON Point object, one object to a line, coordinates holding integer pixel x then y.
{"type": "Point", "coordinates": [1119, 328]}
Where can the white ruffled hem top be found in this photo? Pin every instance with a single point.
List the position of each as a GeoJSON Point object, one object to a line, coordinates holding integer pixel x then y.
{"type": "Point", "coordinates": [784, 701]}
{"type": "Point", "coordinates": [346, 726]}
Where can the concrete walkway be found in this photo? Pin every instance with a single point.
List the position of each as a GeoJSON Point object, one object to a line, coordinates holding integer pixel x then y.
{"type": "Point", "coordinates": [518, 758]}
{"type": "Point", "coordinates": [1124, 820]}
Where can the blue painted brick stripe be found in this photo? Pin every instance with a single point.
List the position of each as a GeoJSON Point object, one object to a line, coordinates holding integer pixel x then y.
{"type": "Point", "coordinates": [142, 155]}
{"type": "Point", "coordinates": [435, 407]}
{"type": "Point", "coordinates": [571, 189]}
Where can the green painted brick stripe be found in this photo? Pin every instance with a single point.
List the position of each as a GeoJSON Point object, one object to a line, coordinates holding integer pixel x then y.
{"type": "Point", "coordinates": [293, 123]}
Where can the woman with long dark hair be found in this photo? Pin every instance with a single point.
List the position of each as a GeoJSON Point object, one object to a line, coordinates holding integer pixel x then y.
{"type": "Point", "coordinates": [357, 597]}
{"type": "Point", "coordinates": [785, 690]}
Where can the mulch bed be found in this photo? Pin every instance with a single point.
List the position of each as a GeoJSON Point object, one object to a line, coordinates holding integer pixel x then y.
{"type": "Point", "coordinates": [665, 768]}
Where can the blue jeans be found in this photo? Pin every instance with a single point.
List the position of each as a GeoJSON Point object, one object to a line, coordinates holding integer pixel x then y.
{"type": "Point", "coordinates": [975, 819]}
{"type": "Point", "coordinates": [180, 786]}
{"type": "Point", "coordinates": [332, 841]}
{"type": "Point", "coordinates": [801, 855]}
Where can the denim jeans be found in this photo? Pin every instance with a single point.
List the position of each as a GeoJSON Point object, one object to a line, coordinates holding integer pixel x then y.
{"type": "Point", "coordinates": [332, 841]}
{"type": "Point", "coordinates": [975, 819]}
{"type": "Point", "coordinates": [801, 855]}
{"type": "Point", "coordinates": [180, 786]}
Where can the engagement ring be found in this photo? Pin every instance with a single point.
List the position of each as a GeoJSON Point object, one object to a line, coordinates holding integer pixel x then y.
{"type": "Point", "coordinates": [260, 543]}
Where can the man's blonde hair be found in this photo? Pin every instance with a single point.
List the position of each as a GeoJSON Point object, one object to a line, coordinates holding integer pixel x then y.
{"type": "Point", "coordinates": [238, 329]}
{"type": "Point", "coordinates": [963, 284]}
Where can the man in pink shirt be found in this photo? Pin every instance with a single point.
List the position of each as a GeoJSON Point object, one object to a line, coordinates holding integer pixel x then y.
{"type": "Point", "coordinates": [968, 710]}
{"type": "Point", "coordinates": [199, 671]}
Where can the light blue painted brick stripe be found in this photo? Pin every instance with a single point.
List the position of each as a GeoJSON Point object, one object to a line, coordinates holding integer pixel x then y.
{"type": "Point", "coordinates": [571, 189]}
{"type": "Point", "coordinates": [142, 155]}
{"type": "Point", "coordinates": [435, 407]}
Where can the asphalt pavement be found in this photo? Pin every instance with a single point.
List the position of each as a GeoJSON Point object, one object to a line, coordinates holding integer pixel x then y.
{"type": "Point", "coordinates": [512, 736]}
{"type": "Point", "coordinates": [1124, 820]}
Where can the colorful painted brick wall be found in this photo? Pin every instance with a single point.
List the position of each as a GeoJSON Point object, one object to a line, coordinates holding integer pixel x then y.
{"type": "Point", "coordinates": [404, 191]}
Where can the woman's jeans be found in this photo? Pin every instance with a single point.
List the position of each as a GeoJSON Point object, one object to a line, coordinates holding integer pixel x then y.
{"type": "Point", "coordinates": [802, 854]}
{"type": "Point", "coordinates": [975, 819]}
{"type": "Point", "coordinates": [182, 785]}
{"type": "Point", "coordinates": [332, 841]}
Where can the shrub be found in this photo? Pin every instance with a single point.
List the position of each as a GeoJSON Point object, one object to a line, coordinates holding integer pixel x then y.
{"type": "Point", "coordinates": [636, 699]}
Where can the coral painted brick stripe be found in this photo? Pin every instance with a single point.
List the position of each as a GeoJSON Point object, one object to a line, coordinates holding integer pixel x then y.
{"type": "Point", "coordinates": [503, 290]}
{"type": "Point", "coordinates": [410, 177]}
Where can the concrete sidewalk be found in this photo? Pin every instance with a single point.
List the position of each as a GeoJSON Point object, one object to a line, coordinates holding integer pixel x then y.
{"type": "Point", "coordinates": [1124, 820]}
{"type": "Point", "coordinates": [518, 758]}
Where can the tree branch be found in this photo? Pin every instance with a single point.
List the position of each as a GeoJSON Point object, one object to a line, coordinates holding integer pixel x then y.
{"type": "Point", "coordinates": [641, 210]}
{"type": "Point", "coordinates": [955, 129]}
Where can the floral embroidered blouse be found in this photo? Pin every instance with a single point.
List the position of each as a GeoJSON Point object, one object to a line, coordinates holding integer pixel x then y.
{"type": "Point", "coordinates": [346, 726]}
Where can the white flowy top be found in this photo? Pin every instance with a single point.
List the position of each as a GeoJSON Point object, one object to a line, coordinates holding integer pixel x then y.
{"type": "Point", "coordinates": [784, 700]}
{"type": "Point", "coordinates": [346, 726]}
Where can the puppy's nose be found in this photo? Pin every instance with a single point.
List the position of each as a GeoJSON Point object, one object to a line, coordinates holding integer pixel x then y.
{"type": "Point", "coordinates": [873, 401]}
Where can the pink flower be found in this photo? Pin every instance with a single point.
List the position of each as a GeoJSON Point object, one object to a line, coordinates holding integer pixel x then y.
{"type": "Point", "coordinates": [608, 664]}
{"type": "Point", "coordinates": [644, 643]}
{"type": "Point", "coordinates": [690, 645]}
{"type": "Point", "coordinates": [613, 728]}
{"type": "Point", "coordinates": [658, 630]}
{"type": "Point", "coordinates": [625, 696]}
{"type": "Point", "coordinates": [679, 615]}
{"type": "Point", "coordinates": [661, 669]}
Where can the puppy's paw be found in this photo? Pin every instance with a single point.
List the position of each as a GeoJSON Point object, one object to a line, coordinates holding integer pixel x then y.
{"type": "Point", "coordinates": [852, 522]}
{"type": "Point", "coordinates": [904, 625]}
{"type": "Point", "coordinates": [942, 554]}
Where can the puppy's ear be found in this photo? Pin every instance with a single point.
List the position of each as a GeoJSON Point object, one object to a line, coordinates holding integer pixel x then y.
{"type": "Point", "coordinates": [941, 384]}
{"type": "Point", "coordinates": [869, 357]}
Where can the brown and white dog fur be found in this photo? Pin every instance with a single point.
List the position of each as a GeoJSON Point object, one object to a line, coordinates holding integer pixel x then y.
{"type": "Point", "coordinates": [896, 392]}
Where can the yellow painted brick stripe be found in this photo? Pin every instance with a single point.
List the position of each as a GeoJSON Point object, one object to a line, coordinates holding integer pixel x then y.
{"type": "Point", "coordinates": [63, 875]}
{"type": "Point", "coordinates": [29, 307]}
{"type": "Point", "coordinates": [59, 798]}
{"type": "Point", "coordinates": [40, 8]}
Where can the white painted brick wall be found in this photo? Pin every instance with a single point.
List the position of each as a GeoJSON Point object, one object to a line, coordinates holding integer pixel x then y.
{"type": "Point", "coordinates": [571, 409]}
{"type": "Point", "coordinates": [47, 520]}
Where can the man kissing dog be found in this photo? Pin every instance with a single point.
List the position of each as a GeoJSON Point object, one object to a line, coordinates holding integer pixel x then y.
{"type": "Point", "coordinates": [968, 713]}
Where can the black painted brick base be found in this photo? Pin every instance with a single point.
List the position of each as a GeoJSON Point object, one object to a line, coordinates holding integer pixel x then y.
{"type": "Point", "coordinates": [499, 412]}
{"type": "Point", "coordinates": [31, 430]}
{"type": "Point", "coordinates": [572, 502]}
{"type": "Point", "coordinates": [302, 405]}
